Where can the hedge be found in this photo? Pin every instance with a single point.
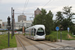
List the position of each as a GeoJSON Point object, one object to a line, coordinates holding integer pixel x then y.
{"type": "Point", "coordinates": [51, 38]}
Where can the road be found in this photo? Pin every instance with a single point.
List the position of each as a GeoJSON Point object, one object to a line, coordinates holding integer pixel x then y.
{"type": "Point", "coordinates": [24, 43]}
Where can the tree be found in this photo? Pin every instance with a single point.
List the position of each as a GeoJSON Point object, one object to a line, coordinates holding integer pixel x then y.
{"type": "Point", "coordinates": [65, 24]}
{"type": "Point", "coordinates": [49, 22]}
{"type": "Point", "coordinates": [45, 19]}
{"type": "Point", "coordinates": [68, 13]}
{"type": "Point", "coordinates": [39, 19]}
{"type": "Point", "coordinates": [59, 18]}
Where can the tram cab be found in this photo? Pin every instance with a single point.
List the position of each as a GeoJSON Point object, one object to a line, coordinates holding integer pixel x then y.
{"type": "Point", "coordinates": [36, 32]}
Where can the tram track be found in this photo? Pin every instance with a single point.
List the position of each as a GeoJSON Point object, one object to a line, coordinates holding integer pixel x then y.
{"type": "Point", "coordinates": [47, 44]}
{"type": "Point", "coordinates": [52, 45]}
{"type": "Point", "coordinates": [31, 43]}
{"type": "Point", "coordinates": [21, 43]}
{"type": "Point", "coordinates": [55, 43]}
{"type": "Point", "coordinates": [41, 42]}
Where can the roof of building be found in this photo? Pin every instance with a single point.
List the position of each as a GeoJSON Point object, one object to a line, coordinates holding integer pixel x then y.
{"type": "Point", "coordinates": [21, 16]}
{"type": "Point", "coordinates": [37, 9]}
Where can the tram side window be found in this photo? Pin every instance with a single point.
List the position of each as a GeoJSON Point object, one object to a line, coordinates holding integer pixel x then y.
{"type": "Point", "coordinates": [34, 31]}
{"type": "Point", "coordinates": [26, 30]}
{"type": "Point", "coordinates": [31, 31]}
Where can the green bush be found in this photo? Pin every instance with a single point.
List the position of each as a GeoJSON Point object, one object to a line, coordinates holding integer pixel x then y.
{"type": "Point", "coordinates": [51, 38]}
{"type": "Point", "coordinates": [73, 29]}
{"type": "Point", "coordinates": [46, 37]}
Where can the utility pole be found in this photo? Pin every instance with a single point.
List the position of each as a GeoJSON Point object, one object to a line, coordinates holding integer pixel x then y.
{"type": "Point", "coordinates": [22, 27]}
{"type": "Point", "coordinates": [13, 22]}
{"type": "Point", "coordinates": [12, 16]}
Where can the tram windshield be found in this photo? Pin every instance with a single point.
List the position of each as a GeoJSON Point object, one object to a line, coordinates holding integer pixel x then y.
{"type": "Point", "coordinates": [40, 32]}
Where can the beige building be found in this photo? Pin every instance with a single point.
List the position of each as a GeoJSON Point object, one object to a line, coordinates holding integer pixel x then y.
{"type": "Point", "coordinates": [21, 17]}
{"type": "Point", "coordinates": [37, 12]}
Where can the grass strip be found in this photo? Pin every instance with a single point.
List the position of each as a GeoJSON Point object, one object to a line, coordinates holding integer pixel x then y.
{"type": "Point", "coordinates": [64, 35]}
{"type": "Point", "coordinates": [4, 41]}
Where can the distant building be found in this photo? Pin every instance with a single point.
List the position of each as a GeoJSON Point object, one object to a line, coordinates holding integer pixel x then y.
{"type": "Point", "coordinates": [17, 25]}
{"type": "Point", "coordinates": [37, 11]}
{"type": "Point", "coordinates": [21, 17]}
{"type": "Point", "coordinates": [20, 24]}
{"type": "Point", "coordinates": [4, 25]}
{"type": "Point", "coordinates": [0, 23]}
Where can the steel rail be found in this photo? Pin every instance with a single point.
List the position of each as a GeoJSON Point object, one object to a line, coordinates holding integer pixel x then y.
{"type": "Point", "coordinates": [47, 44]}
{"type": "Point", "coordinates": [21, 44]}
{"type": "Point", "coordinates": [31, 43]}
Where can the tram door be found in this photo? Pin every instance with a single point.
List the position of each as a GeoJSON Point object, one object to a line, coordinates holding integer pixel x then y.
{"type": "Point", "coordinates": [34, 31]}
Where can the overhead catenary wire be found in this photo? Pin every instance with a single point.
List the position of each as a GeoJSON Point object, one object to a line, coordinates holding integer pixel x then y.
{"type": "Point", "coordinates": [25, 5]}
{"type": "Point", "coordinates": [47, 3]}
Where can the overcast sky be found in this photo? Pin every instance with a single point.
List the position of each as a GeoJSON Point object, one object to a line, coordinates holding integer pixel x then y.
{"type": "Point", "coordinates": [20, 5]}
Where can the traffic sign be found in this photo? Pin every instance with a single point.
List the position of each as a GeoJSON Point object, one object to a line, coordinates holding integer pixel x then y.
{"type": "Point", "coordinates": [68, 29]}
{"type": "Point", "coordinates": [57, 28]}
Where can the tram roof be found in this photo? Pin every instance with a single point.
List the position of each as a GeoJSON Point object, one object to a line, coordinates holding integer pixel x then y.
{"type": "Point", "coordinates": [36, 26]}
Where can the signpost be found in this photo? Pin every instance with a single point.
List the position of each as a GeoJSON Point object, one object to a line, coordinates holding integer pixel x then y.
{"type": "Point", "coordinates": [68, 30]}
{"type": "Point", "coordinates": [57, 28]}
{"type": "Point", "coordinates": [61, 35]}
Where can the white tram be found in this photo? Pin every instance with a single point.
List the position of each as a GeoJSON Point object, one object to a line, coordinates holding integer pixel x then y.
{"type": "Point", "coordinates": [36, 32]}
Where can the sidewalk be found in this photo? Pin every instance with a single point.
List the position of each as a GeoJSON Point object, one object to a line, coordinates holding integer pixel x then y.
{"type": "Point", "coordinates": [10, 49]}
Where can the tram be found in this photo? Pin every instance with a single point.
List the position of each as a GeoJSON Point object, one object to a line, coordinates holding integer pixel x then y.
{"type": "Point", "coordinates": [36, 32]}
